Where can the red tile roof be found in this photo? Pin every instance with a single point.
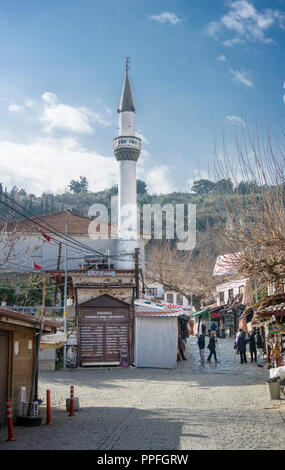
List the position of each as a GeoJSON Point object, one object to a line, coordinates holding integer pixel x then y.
{"type": "Point", "coordinates": [55, 222]}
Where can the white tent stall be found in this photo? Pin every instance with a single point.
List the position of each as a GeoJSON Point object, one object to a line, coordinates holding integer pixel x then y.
{"type": "Point", "coordinates": [156, 338]}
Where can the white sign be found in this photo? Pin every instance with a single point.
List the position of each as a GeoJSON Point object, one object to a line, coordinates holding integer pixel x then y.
{"type": "Point", "coordinates": [16, 348]}
{"type": "Point", "coordinates": [102, 273]}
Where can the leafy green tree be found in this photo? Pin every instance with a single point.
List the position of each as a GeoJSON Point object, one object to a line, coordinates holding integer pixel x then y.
{"type": "Point", "coordinates": [204, 186]}
{"type": "Point", "coordinates": [141, 187]}
{"type": "Point", "coordinates": [79, 186]}
{"type": "Point", "coordinates": [30, 292]}
{"type": "Point", "coordinates": [225, 186]}
{"type": "Point", "coordinates": [247, 187]}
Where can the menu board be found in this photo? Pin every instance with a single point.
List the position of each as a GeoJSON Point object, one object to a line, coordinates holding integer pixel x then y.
{"type": "Point", "coordinates": [91, 341]}
{"type": "Point", "coordinates": [103, 335]}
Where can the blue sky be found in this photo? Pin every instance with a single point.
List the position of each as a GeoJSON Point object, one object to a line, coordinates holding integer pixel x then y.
{"type": "Point", "coordinates": [199, 69]}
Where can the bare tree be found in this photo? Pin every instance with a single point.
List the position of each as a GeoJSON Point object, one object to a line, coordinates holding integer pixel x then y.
{"type": "Point", "coordinates": [253, 228]}
{"type": "Point", "coordinates": [12, 234]}
{"type": "Point", "coordinates": [184, 272]}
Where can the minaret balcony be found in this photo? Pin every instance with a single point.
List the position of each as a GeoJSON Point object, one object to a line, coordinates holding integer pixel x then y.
{"type": "Point", "coordinates": [127, 147]}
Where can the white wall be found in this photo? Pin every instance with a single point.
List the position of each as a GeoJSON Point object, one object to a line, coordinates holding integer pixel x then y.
{"type": "Point", "coordinates": [44, 253]}
{"type": "Point", "coordinates": [225, 287]}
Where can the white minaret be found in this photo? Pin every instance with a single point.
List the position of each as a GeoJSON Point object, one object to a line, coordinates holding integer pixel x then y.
{"type": "Point", "coordinates": [127, 149]}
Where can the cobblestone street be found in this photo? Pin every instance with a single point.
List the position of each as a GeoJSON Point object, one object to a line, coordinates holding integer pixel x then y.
{"type": "Point", "coordinates": [212, 406]}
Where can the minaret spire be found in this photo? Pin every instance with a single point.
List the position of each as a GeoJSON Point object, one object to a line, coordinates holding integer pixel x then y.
{"type": "Point", "coordinates": [126, 103]}
{"type": "Point", "coordinates": [127, 149]}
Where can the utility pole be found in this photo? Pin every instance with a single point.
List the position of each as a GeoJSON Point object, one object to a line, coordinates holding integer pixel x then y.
{"type": "Point", "coordinates": [65, 290]}
{"type": "Point", "coordinates": [36, 360]}
{"type": "Point", "coordinates": [136, 256]}
{"type": "Point", "coordinates": [57, 267]}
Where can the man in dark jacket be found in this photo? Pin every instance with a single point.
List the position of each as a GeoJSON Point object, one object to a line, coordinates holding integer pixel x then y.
{"type": "Point", "coordinates": [252, 345]}
{"type": "Point", "coordinates": [259, 347]}
{"type": "Point", "coordinates": [241, 346]}
{"type": "Point", "coordinates": [212, 347]}
{"type": "Point", "coordinates": [201, 345]}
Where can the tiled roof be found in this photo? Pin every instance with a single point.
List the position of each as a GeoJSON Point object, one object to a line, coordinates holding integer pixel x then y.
{"type": "Point", "coordinates": [77, 224]}
{"type": "Point", "coordinates": [23, 317]}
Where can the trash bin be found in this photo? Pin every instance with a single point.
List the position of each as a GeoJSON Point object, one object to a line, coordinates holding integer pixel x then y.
{"type": "Point", "coordinates": [273, 386]}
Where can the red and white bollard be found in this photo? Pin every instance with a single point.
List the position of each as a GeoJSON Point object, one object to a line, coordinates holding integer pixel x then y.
{"type": "Point", "coordinates": [11, 436]}
{"type": "Point", "coordinates": [71, 405]}
{"type": "Point", "coordinates": [48, 421]}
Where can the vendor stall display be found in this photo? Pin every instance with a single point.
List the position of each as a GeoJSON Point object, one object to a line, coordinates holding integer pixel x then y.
{"type": "Point", "coordinates": [269, 314]}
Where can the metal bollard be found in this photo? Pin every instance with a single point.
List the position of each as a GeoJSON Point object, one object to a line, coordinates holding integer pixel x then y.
{"type": "Point", "coordinates": [11, 436]}
{"type": "Point", "coordinates": [71, 408]}
{"type": "Point", "coordinates": [48, 421]}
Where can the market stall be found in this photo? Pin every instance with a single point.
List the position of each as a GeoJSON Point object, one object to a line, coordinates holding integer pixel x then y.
{"type": "Point", "coordinates": [269, 314]}
{"type": "Point", "coordinates": [156, 338]}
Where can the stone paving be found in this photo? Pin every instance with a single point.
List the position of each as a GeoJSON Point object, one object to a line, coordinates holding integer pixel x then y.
{"type": "Point", "coordinates": [212, 406]}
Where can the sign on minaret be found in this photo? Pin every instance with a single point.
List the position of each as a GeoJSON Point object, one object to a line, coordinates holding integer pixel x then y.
{"type": "Point", "coordinates": [127, 149]}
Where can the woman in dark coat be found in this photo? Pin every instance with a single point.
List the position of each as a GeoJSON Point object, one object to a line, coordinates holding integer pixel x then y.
{"type": "Point", "coordinates": [241, 346]}
{"type": "Point", "coordinates": [212, 347]}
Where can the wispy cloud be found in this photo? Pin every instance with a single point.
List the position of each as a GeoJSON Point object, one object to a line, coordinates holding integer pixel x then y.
{"type": "Point", "coordinates": [246, 23]}
{"type": "Point", "coordinates": [166, 17]}
{"type": "Point", "coordinates": [15, 108]}
{"type": "Point", "coordinates": [236, 121]}
{"type": "Point", "coordinates": [222, 58]}
{"type": "Point", "coordinates": [241, 77]}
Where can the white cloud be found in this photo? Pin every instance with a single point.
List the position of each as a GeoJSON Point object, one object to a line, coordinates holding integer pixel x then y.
{"type": "Point", "coordinates": [165, 17]}
{"type": "Point", "coordinates": [237, 121]}
{"type": "Point", "coordinates": [49, 164]}
{"type": "Point", "coordinates": [246, 23]}
{"type": "Point", "coordinates": [69, 118]}
{"type": "Point", "coordinates": [241, 77]}
{"type": "Point", "coordinates": [159, 180]}
{"type": "Point", "coordinates": [222, 58]}
{"type": "Point", "coordinates": [15, 108]}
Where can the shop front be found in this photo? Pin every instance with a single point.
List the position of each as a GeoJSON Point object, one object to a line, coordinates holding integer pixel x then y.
{"type": "Point", "coordinates": [269, 315]}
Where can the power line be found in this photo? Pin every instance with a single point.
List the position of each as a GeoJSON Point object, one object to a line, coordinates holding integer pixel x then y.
{"type": "Point", "coordinates": [47, 226]}
{"type": "Point", "coordinates": [78, 245]}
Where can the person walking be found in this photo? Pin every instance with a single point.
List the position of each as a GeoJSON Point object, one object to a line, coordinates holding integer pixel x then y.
{"type": "Point", "coordinates": [181, 348]}
{"type": "Point", "coordinates": [213, 328]}
{"type": "Point", "coordinates": [252, 345]}
{"type": "Point", "coordinates": [204, 328]}
{"type": "Point", "coordinates": [212, 347]}
{"type": "Point", "coordinates": [259, 347]}
{"type": "Point", "coordinates": [241, 346]}
{"type": "Point", "coordinates": [201, 345]}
